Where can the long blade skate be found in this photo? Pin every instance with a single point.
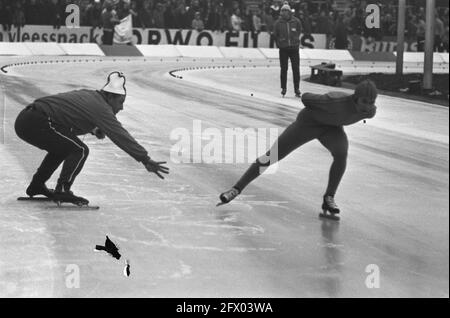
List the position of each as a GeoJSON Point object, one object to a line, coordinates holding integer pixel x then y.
{"type": "Point", "coordinates": [329, 208]}
{"type": "Point", "coordinates": [43, 199]}
{"type": "Point", "coordinates": [75, 202]}
{"type": "Point", "coordinates": [72, 206]}
{"type": "Point", "coordinates": [329, 215]}
{"type": "Point", "coordinates": [228, 196]}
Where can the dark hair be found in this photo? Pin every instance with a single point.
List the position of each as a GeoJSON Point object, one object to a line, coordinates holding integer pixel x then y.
{"type": "Point", "coordinates": [366, 88]}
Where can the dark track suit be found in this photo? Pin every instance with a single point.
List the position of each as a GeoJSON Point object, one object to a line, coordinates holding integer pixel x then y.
{"type": "Point", "coordinates": [53, 123]}
{"type": "Point", "coordinates": [322, 118]}
{"type": "Point", "coordinates": [287, 36]}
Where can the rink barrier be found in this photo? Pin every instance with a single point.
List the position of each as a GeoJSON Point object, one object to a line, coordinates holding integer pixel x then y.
{"type": "Point", "coordinates": [444, 57]}
{"type": "Point", "coordinates": [81, 51]}
{"type": "Point", "coordinates": [242, 53]}
{"type": "Point", "coordinates": [377, 66]}
{"type": "Point", "coordinates": [270, 53]}
{"type": "Point", "coordinates": [88, 49]}
{"type": "Point", "coordinates": [93, 49]}
{"type": "Point", "coordinates": [418, 57]}
{"type": "Point", "coordinates": [166, 50]}
{"type": "Point", "coordinates": [199, 51]}
{"type": "Point", "coordinates": [174, 72]}
{"type": "Point", "coordinates": [44, 48]}
{"type": "Point", "coordinates": [78, 59]}
{"type": "Point", "coordinates": [120, 50]}
{"type": "Point", "coordinates": [373, 56]}
{"type": "Point", "coordinates": [14, 48]}
{"type": "Point", "coordinates": [328, 55]}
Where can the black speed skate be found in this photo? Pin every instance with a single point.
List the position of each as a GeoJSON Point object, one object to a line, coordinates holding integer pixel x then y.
{"type": "Point", "coordinates": [69, 197]}
{"type": "Point", "coordinates": [36, 188]}
{"type": "Point", "coordinates": [329, 208]}
{"type": "Point", "coordinates": [298, 93]}
{"type": "Point", "coordinates": [63, 194]}
{"type": "Point", "coordinates": [228, 196]}
{"type": "Point", "coordinates": [283, 92]}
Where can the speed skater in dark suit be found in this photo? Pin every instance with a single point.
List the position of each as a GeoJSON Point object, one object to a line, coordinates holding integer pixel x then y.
{"type": "Point", "coordinates": [322, 118]}
{"type": "Point", "coordinates": [53, 124]}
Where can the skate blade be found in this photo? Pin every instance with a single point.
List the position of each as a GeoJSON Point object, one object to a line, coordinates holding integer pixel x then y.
{"type": "Point", "coordinates": [220, 203]}
{"type": "Point", "coordinates": [329, 215]}
{"type": "Point", "coordinates": [73, 206]}
{"type": "Point", "coordinates": [34, 199]}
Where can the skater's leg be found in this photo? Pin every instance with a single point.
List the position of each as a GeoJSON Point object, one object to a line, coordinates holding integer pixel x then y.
{"type": "Point", "coordinates": [48, 166]}
{"type": "Point", "coordinates": [295, 135]}
{"type": "Point", "coordinates": [295, 63]}
{"type": "Point", "coordinates": [335, 140]}
{"type": "Point", "coordinates": [73, 165]}
{"type": "Point", "coordinates": [60, 143]}
{"type": "Point", "coordinates": [77, 153]}
{"type": "Point", "coordinates": [284, 59]}
{"type": "Point", "coordinates": [32, 126]}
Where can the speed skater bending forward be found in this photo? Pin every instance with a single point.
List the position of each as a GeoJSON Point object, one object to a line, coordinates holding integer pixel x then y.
{"type": "Point", "coordinates": [53, 123]}
{"type": "Point", "coordinates": [322, 118]}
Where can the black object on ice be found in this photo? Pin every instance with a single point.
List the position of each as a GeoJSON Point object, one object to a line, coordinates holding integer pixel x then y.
{"type": "Point", "coordinates": [110, 248]}
{"type": "Point", "coordinates": [126, 270]}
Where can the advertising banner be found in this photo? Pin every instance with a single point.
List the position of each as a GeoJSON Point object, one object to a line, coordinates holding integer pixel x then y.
{"type": "Point", "coordinates": [37, 33]}
{"type": "Point", "coordinates": [387, 44]}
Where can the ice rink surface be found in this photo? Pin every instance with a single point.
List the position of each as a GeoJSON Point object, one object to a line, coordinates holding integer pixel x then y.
{"type": "Point", "coordinates": [267, 243]}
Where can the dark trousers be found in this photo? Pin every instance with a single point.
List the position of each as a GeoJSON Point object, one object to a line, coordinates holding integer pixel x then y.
{"type": "Point", "coordinates": [438, 45]}
{"type": "Point", "coordinates": [61, 145]}
{"type": "Point", "coordinates": [294, 55]}
{"type": "Point", "coordinates": [108, 37]}
{"type": "Point", "coordinates": [420, 44]}
{"type": "Point", "coordinates": [301, 131]}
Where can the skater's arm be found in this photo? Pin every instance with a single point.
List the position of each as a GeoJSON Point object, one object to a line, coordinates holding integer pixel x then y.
{"type": "Point", "coordinates": [366, 113]}
{"type": "Point", "coordinates": [111, 127]}
{"type": "Point", "coordinates": [336, 108]}
{"type": "Point", "coordinates": [342, 119]}
{"type": "Point", "coordinates": [322, 102]}
{"type": "Point", "coordinates": [276, 34]}
{"type": "Point", "coordinates": [299, 28]}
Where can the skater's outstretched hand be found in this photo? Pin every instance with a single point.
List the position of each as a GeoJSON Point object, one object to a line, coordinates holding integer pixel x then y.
{"type": "Point", "coordinates": [156, 167]}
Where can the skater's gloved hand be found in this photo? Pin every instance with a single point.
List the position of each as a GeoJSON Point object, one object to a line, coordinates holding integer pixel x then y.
{"type": "Point", "coordinates": [98, 133]}
{"type": "Point", "coordinates": [156, 167]}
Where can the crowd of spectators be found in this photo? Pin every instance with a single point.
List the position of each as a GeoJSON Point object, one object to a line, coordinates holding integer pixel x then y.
{"type": "Point", "coordinates": [352, 21]}
{"type": "Point", "coordinates": [316, 16]}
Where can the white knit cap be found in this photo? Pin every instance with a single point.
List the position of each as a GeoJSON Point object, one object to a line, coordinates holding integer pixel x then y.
{"type": "Point", "coordinates": [286, 6]}
{"type": "Point", "coordinates": [115, 84]}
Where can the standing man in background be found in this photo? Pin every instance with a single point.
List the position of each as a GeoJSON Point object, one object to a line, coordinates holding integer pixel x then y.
{"type": "Point", "coordinates": [439, 31]}
{"type": "Point", "coordinates": [109, 20]}
{"type": "Point", "coordinates": [420, 34]}
{"type": "Point", "coordinates": [340, 34]}
{"type": "Point", "coordinates": [287, 36]}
